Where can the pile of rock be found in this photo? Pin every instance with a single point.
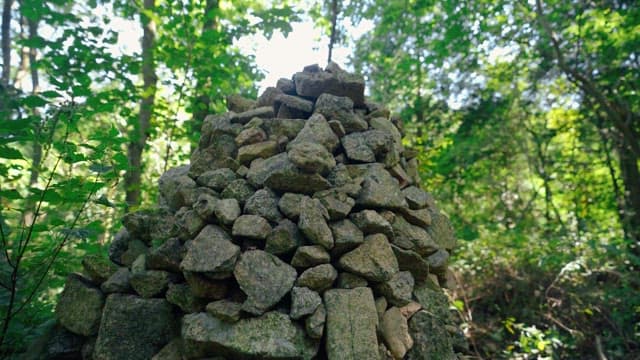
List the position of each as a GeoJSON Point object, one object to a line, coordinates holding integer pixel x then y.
{"type": "Point", "coordinates": [298, 231]}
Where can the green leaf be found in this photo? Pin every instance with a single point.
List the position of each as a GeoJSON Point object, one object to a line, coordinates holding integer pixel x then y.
{"type": "Point", "coordinates": [9, 153]}
{"type": "Point", "coordinates": [34, 101]}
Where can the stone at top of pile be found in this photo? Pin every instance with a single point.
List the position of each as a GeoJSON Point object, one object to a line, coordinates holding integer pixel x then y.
{"type": "Point", "coordinates": [299, 226]}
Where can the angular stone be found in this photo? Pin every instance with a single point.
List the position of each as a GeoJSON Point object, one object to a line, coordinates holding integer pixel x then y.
{"type": "Point", "coordinates": [134, 250]}
{"type": "Point", "coordinates": [311, 157]}
{"type": "Point", "coordinates": [284, 238]}
{"type": "Point", "coordinates": [398, 289]}
{"type": "Point", "coordinates": [206, 288]}
{"type": "Point", "coordinates": [264, 278]}
{"type": "Point", "coordinates": [304, 301]}
{"type": "Point", "coordinates": [317, 130]}
{"type": "Point", "coordinates": [395, 332]}
{"type": "Point", "coordinates": [337, 203]}
{"type": "Point", "coordinates": [265, 149]}
{"type": "Point", "coordinates": [430, 339]}
{"type": "Point", "coordinates": [263, 203]}
{"type": "Point", "coordinates": [380, 190]}
{"type": "Point", "coordinates": [225, 310]}
{"type": "Point", "coordinates": [189, 223]}
{"type": "Point", "coordinates": [119, 245]}
{"type": "Point", "coordinates": [318, 278]}
{"type": "Point", "coordinates": [205, 206]}
{"type": "Point", "coordinates": [307, 256]}
{"type": "Point", "coordinates": [211, 252]}
{"type": "Point", "coordinates": [368, 146]}
{"type": "Point", "coordinates": [416, 197]}
{"type": "Point", "coordinates": [217, 179]}
{"type": "Point", "coordinates": [421, 217]}
{"type": "Point", "coordinates": [411, 308]}
{"type": "Point", "coordinates": [251, 227]}
{"type": "Point", "coordinates": [167, 256]}
{"type": "Point", "coordinates": [150, 283]}
{"type": "Point", "coordinates": [347, 236]}
{"type": "Point", "coordinates": [80, 306]}
{"type": "Point", "coordinates": [268, 96]}
{"type": "Point", "coordinates": [239, 190]}
{"type": "Point", "coordinates": [435, 302]}
{"type": "Point", "coordinates": [286, 86]}
{"type": "Point", "coordinates": [251, 135]}
{"type": "Point", "coordinates": [227, 210]}
{"type": "Point", "coordinates": [182, 296]}
{"type": "Point", "coordinates": [237, 103]}
{"type": "Point", "coordinates": [438, 262]}
{"type": "Point", "coordinates": [174, 350]}
{"type": "Point", "coordinates": [370, 222]}
{"type": "Point", "coordinates": [119, 282]}
{"type": "Point", "coordinates": [298, 107]}
{"type": "Point", "coordinates": [270, 336]}
{"type": "Point", "coordinates": [221, 153]}
{"type": "Point", "coordinates": [280, 174]}
{"type": "Point", "coordinates": [351, 324]}
{"type": "Point", "coordinates": [314, 325]}
{"type": "Point", "coordinates": [289, 204]}
{"type": "Point", "coordinates": [349, 281]}
{"type": "Point", "coordinates": [215, 126]}
{"type": "Point", "coordinates": [385, 125]}
{"type": "Point", "coordinates": [98, 268]}
{"type": "Point", "coordinates": [120, 338]}
{"type": "Point", "coordinates": [264, 112]}
{"type": "Point", "coordinates": [313, 225]}
{"type": "Point", "coordinates": [411, 237]}
{"type": "Point", "coordinates": [340, 83]}
{"type": "Point", "coordinates": [412, 261]}
{"type": "Point", "coordinates": [340, 108]}
{"type": "Point", "coordinates": [373, 260]}
{"type": "Point", "coordinates": [441, 231]}
{"type": "Point", "coordinates": [174, 185]}
{"type": "Point", "coordinates": [381, 306]}
{"type": "Point", "coordinates": [288, 128]}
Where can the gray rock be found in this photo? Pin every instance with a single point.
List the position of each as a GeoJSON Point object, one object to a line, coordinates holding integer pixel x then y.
{"type": "Point", "coordinates": [311, 157]}
{"type": "Point", "coordinates": [150, 283]}
{"type": "Point", "coordinates": [421, 217]}
{"type": "Point", "coordinates": [134, 250]}
{"type": "Point", "coordinates": [385, 125]}
{"type": "Point", "coordinates": [139, 265]}
{"type": "Point", "coordinates": [304, 301]}
{"type": "Point", "coordinates": [270, 336]}
{"type": "Point", "coordinates": [134, 328]}
{"type": "Point", "coordinates": [288, 128]}
{"type": "Point", "coordinates": [221, 153]}
{"type": "Point", "coordinates": [204, 287]}
{"type": "Point", "coordinates": [284, 238]}
{"type": "Point", "coordinates": [182, 296]}
{"type": "Point", "coordinates": [347, 236]}
{"type": "Point", "coordinates": [289, 204]}
{"type": "Point", "coordinates": [174, 186]}
{"type": "Point", "coordinates": [370, 222]}
{"type": "Point", "coordinates": [380, 190]}
{"type": "Point", "coordinates": [337, 128]}
{"type": "Point", "coordinates": [215, 126]}
{"type": "Point", "coordinates": [307, 256]}
{"type": "Point", "coordinates": [227, 210]}
{"type": "Point", "coordinates": [189, 223]}
{"type": "Point", "coordinates": [119, 282]}
{"type": "Point", "coordinates": [251, 227]}
{"type": "Point", "coordinates": [317, 130]}
{"type": "Point", "coordinates": [211, 252]}
{"type": "Point", "coordinates": [205, 206]}
{"type": "Point", "coordinates": [438, 262]}
{"type": "Point", "coordinates": [411, 237]}
{"type": "Point", "coordinates": [242, 171]}
{"type": "Point", "coordinates": [167, 256]}
{"type": "Point", "coordinates": [340, 108]}
{"type": "Point", "coordinates": [298, 107]}
{"type": "Point", "coordinates": [237, 103]}
{"type": "Point", "coordinates": [441, 231]}
{"type": "Point", "coordinates": [318, 278]}
{"type": "Point", "coordinates": [98, 268]}
{"type": "Point", "coordinates": [416, 197]}
{"type": "Point", "coordinates": [280, 174]}
{"type": "Point", "coordinates": [381, 306]}
{"type": "Point", "coordinates": [174, 350]}
{"type": "Point", "coordinates": [395, 332]}
{"type": "Point", "coordinates": [340, 83]}
{"type": "Point", "coordinates": [430, 338]}
{"type": "Point", "coordinates": [225, 310]}
{"type": "Point", "coordinates": [119, 245]}
{"type": "Point", "coordinates": [368, 146]}
{"type": "Point", "coordinates": [238, 189]}
{"type": "Point", "coordinates": [398, 289]}
{"type": "Point", "coordinates": [263, 203]}
{"type": "Point", "coordinates": [250, 136]}
{"type": "Point", "coordinates": [351, 324]}
{"type": "Point", "coordinates": [56, 342]}
{"type": "Point", "coordinates": [80, 306]}
{"type": "Point", "coordinates": [337, 203]}
{"type": "Point", "coordinates": [268, 96]}
{"type": "Point", "coordinates": [265, 149]}
{"type": "Point", "coordinates": [217, 179]}
{"type": "Point", "coordinates": [412, 171]}
{"type": "Point", "coordinates": [349, 281]}
{"type": "Point", "coordinates": [286, 86]}
{"type": "Point", "coordinates": [315, 323]}
{"type": "Point", "coordinates": [373, 260]}
{"type": "Point", "coordinates": [264, 278]}
{"type": "Point", "coordinates": [412, 261]}
{"type": "Point", "coordinates": [264, 112]}
{"type": "Point", "coordinates": [313, 224]}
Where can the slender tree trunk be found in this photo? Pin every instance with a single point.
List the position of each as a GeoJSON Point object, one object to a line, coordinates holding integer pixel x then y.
{"type": "Point", "coordinates": [35, 87]}
{"type": "Point", "coordinates": [630, 175]}
{"type": "Point", "coordinates": [6, 42]}
{"type": "Point", "coordinates": [334, 24]}
{"type": "Point", "coordinates": [140, 133]}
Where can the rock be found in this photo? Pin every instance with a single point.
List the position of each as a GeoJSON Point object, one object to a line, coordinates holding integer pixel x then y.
{"type": "Point", "coordinates": [98, 268]}
{"type": "Point", "coordinates": [167, 256]}
{"type": "Point", "coordinates": [119, 282]}
{"type": "Point", "coordinates": [431, 340]}
{"type": "Point", "coordinates": [239, 190]}
{"type": "Point", "coordinates": [289, 204]}
{"type": "Point", "coordinates": [174, 350]}
{"type": "Point", "coordinates": [265, 149]}
{"type": "Point", "coordinates": [398, 172]}
{"type": "Point", "coordinates": [221, 153]}
{"type": "Point", "coordinates": [189, 223]}
{"type": "Point", "coordinates": [411, 237]}
{"type": "Point", "coordinates": [288, 128]}
{"type": "Point", "coordinates": [380, 190]}
{"type": "Point", "coordinates": [416, 197]}
{"type": "Point", "coordinates": [311, 157]}
{"type": "Point", "coordinates": [264, 112]}
{"type": "Point", "coordinates": [284, 238]}
{"type": "Point", "coordinates": [339, 83]}
{"type": "Point", "coordinates": [242, 171]}
{"type": "Point", "coordinates": [215, 126]}
{"type": "Point", "coordinates": [304, 301]}
{"type": "Point", "coordinates": [227, 210]}
{"type": "Point", "coordinates": [174, 186]}
{"type": "Point", "coordinates": [398, 289]}
{"type": "Point", "coordinates": [134, 250]}
{"type": "Point", "coordinates": [435, 302]}
{"type": "Point", "coordinates": [217, 179]}
{"type": "Point", "coordinates": [237, 103]}
{"type": "Point", "coordinates": [438, 262]}
{"type": "Point", "coordinates": [340, 108]}
{"type": "Point", "coordinates": [370, 222]}
{"type": "Point", "coordinates": [205, 206]}
{"type": "Point", "coordinates": [134, 328]}
{"type": "Point", "coordinates": [206, 288]}
{"type": "Point", "coordinates": [373, 260]}
{"type": "Point", "coordinates": [307, 256]}
{"type": "Point", "coordinates": [381, 306]}
{"type": "Point", "coordinates": [263, 203]}
{"type": "Point", "coordinates": [349, 281]}
{"type": "Point", "coordinates": [268, 96]}
{"type": "Point", "coordinates": [347, 236]}
{"type": "Point", "coordinates": [411, 308]}
{"type": "Point", "coordinates": [150, 283]}
{"type": "Point", "coordinates": [80, 306]}
{"type": "Point", "coordinates": [383, 124]}
{"type": "Point", "coordinates": [211, 252]}
{"type": "Point", "coordinates": [317, 130]}
{"type": "Point", "coordinates": [395, 332]}
{"type": "Point", "coordinates": [313, 225]}
{"type": "Point", "coordinates": [442, 232]}
{"type": "Point", "coordinates": [55, 343]}
{"type": "Point", "coordinates": [252, 135]}
{"type": "Point", "coordinates": [351, 324]}
{"type": "Point", "coordinates": [370, 146]}
{"type": "Point", "coordinates": [421, 218]}
{"type": "Point", "coordinates": [286, 86]}
{"type": "Point", "coordinates": [251, 227]}
{"type": "Point", "coordinates": [412, 261]}
{"type": "Point", "coordinates": [318, 278]}
{"type": "Point", "coordinates": [297, 107]}
{"type": "Point", "coordinates": [280, 174]}
{"type": "Point", "coordinates": [119, 246]}
{"type": "Point", "coordinates": [264, 278]}
{"type": "Point", "coordinates": [225, 310]}
{"type": "Point", "coordinates": [314, 325]}
{"type": "Point", "coordinates": [270, 336]}
{"type": "Point", "coordinates": [182, 296]}
{"type": "Point", "coordinates": [337, 203]}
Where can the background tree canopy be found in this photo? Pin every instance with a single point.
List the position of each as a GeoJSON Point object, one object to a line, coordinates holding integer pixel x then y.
{"type": "Point", "coordinates": [526, 116]}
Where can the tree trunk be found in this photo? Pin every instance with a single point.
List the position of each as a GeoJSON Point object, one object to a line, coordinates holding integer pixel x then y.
{"type": "Point", "coordinates": [630, 175]}
{"type": "Point", "coordinates": [35, 87]}
{"type": "Point", "coordinates": [140, 133]}
{"type": "Point", "coordinates": [334, 24]}
{"type": "Point", "coordinates": [6, 42]}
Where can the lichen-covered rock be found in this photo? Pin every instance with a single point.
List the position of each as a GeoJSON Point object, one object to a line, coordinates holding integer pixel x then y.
{"type": "Point", "coordinates": [251, 227]}
{"type": "Point", "coordinates": [430, 338]}
{"type": "Point", "coordinates": [204, 287]}
{"type": "Point", "coordinates": [373, 260]}
{"type": "Point", "coordinates": [411, 237]}
{"type": "Point", "coordinates": [380, 190]}
{"type": "Point", "coordinates": [315, 323]}
{"type": "Point", "coordinates": [340, 108]}
{"type": "Point", "coordinates": [175, 185]}
{"type": "Point", "coordinates": [150, 283]}
{"type": "Point", "coordinates": [337, 203]}
{"type": "Point", "coordinates": [182, 296]}
{"type": "Point", "coordinates": [304, 301]}
{"type": "Point", "coordinates": [412, 261]}
{"type": "Point", "coordinates": [264, 278]}
{"type": "Point", "coordinates": [252, 135]}
{"type": "Point", "coordinates": [350, 281]}
{"type": "Point", "coordinates": [311, 157]}
{"type": "Point", "coordinates": [217, 179]}
{"type": "Point", "coordinates": [265, 149]}
{"type": "Point", "coordinates": [398, 289]}
{"type": "Point", "coordinates": [98, 268]}
{"type": "Point", "coordinates": [119, 282]}
{"type": "Point", "coordinates": [317, 130]}
{"type": "Point", "coordinates": [313, 223]}
{"type": "Point", "coordinates": [347, 236]}
{"type": "Point", "coordinates": [227, 210]}
{"type": "Point", "coordinates": [289, 204]}
{"type": "Point", "coordinates": [311, 255]}
{"type": "Point", "coordinates": [340, 83]}
{"type": "Point", "coordinates": [395, 332]}
{"type": "Point", "coordinates": [225, 310]}
{"type": "Point", "coordinates": [80, 306]}
{"type": "Point", "coordinates": [416, 197]}
{"type": "Point", "coordinates": [442, 232]}
{"type": "Point", "coordinates": [371, 222]}
{"type": "Point", "coordinates": [263, 203]}
{"type": "Point", "coordinates": [238, 189]}
{"type": "Point", "coordinates": [211, 252]}
{"type": "Point", "coordinates": [318, 278]}
{"type": "Point", "coordinates": [167, 256]}
{"type": "Point", "coordinates": [284, 238]}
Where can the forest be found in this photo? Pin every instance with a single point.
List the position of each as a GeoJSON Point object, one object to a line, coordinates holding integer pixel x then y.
{"type": "Point", "coordinates": [525, 115]}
